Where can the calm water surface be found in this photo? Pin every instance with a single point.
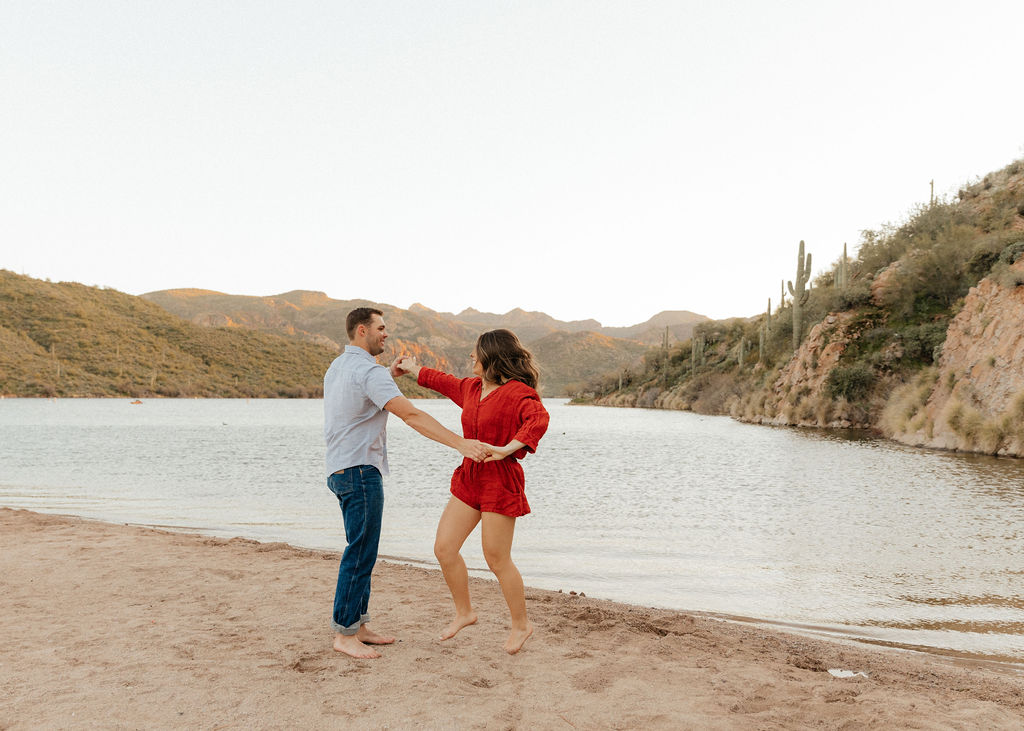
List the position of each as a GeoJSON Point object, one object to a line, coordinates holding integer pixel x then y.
{"type": "Point", "coordinates": [847, 535]}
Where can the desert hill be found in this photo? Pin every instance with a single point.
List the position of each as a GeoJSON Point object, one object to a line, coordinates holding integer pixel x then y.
{"type": "Point", "coordinates": [67, 339]}
{"type": "Point", "coordinates": [438, 339]}
{"type": "Point", "coordinates": [680, 324]}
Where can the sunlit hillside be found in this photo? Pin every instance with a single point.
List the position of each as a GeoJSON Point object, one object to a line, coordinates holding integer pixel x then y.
{"type": "Point", "coordinates": [833, 350]}
{"type": "Point", "coordinates": [67, 339]}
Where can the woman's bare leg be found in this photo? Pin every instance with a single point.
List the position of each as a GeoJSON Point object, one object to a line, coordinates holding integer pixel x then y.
{"type": "Point", "coordinates": [457, 521]}
{"type": "Point", "coordinates": [498, 531]}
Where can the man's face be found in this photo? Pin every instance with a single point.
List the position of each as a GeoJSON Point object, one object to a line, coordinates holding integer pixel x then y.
{"type": "Point", "coordinates": [376, 334]}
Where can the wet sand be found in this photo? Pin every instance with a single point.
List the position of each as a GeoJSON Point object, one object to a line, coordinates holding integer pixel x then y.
{"type": "Point", "coordinates": [127, 627]}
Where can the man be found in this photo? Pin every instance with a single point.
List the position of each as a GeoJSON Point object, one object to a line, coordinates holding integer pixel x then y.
{"type": "Point", "coordinates": [358, 395]}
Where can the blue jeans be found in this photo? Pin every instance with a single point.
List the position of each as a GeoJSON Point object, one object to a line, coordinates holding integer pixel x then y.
{"type": "Point", "coordinates": [360, 493]}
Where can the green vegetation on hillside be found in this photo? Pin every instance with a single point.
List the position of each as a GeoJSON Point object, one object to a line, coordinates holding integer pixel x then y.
{"type": "Point", "coordinates": [67, 339]}
{"type": "Point", "coordinates": [920, 270]}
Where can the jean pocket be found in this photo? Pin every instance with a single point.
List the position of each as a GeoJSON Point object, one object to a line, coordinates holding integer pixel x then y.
{"type": "Point", "coordinates": [341, 483]}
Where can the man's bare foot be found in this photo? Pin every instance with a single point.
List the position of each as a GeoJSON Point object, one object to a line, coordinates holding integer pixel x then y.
{"type": "Point", "coordinates": [369, 637]}
{"type": "Point", "coordinates": [460, 621]}
{"type": "Point", "coordinates": [350, 645]}
{"type": "Point", "coordinates": [517, 638]}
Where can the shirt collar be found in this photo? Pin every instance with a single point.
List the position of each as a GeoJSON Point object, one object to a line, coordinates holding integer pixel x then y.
{"type": "Point", "coordinates": [357, 351]}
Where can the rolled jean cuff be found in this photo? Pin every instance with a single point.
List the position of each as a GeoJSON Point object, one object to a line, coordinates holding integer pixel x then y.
{"type": "Point", "coordinates": [352, 628]}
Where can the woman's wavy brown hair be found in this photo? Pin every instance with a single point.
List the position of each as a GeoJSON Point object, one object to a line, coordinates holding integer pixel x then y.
{"type": "Point", "coordinates": [504, 358]}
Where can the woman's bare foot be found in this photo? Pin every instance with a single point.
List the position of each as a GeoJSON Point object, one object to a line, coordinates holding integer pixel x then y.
{"type": "Point", "coordinates": [460, 621]}
{"type": "Point", "coordinates": [350, 645]}
{"type": "Point", "coordinates": [369, 637]}
{"type": "Point", "coordinates": [517, 638]}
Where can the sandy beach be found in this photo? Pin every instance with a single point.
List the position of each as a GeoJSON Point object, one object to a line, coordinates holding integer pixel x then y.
{"type": "Point", "coordinates": [132, 627]}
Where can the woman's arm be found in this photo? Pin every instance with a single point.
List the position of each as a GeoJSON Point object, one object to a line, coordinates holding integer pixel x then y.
{"type": "Point", "coordinates": [532, 423]}
{"type": "Point", "coordinates": [444, 383]}
{"type": "Point", "coordinates": [499, 453]}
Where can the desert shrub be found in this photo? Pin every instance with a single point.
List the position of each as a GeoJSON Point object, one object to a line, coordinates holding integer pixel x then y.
{"type": "Point", "coordinates": [851, 382]}
{"type": "Point", "coordinates": [933, 277]}
{"type": "Point", "coordinates": [921, 343]}
{"type": "Point", "coordinates": [904, 410]}
{"type": "Point", "coordinates": [1012, 253]}
{"type": "Point", "coordinates": [852, 298]}
{"type": "Point", "coordinates": [981, 262]}
{"type": "Point", "coordinates": [992, 435]}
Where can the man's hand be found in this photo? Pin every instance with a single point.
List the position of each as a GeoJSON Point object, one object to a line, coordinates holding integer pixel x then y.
{"type": "Point", "coordinates": [407, 364]}
{"type": "Point", "coordinates": [475, 450]}
{"type": "Point", "coordinates": [396, 367]}
{"type": "Point", "coordinates": [499, 453]}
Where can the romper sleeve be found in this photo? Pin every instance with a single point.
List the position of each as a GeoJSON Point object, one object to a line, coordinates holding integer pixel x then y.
{"type": "Point", "coordinates": [531, 424]}
{"type": "Point", "coordinates": [444, 383]}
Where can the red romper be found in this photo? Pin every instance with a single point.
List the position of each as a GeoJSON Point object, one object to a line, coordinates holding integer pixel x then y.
{"type": "Point", "coordinates": [511, 411]}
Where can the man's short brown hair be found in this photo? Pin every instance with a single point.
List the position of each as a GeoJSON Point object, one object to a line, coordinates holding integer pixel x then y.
{"type": "Point", "coordinates": [359, 316]}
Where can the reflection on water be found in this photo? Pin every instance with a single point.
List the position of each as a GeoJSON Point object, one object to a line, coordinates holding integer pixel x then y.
{"type": "Point", "coordinates": [842, 531]}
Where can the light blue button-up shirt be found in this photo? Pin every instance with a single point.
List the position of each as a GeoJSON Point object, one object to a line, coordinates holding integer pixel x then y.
{"type": "Point", "coordinates": [356, 388]}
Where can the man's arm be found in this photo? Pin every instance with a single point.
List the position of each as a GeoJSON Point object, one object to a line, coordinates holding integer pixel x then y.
{"type": "Point", "coordinates": [431, 428]}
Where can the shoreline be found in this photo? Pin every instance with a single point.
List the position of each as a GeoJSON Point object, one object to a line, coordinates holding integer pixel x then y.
{"type": "Point", "coordinates": [833, 633]}
{"type": "Point", "coordinates": [127, 626]}
{"type": "Point", "coordinates": [870, 430]}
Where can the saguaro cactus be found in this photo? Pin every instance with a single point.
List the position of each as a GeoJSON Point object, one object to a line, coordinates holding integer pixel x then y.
{"type": "Point", "coordinates": [765, 331]}
{"type": "Point", "coordinates": [696, 350]}
{"type": "Point", "coordinates": [842, 277]}
{"type": "Point", "coordinates": [800, 293]}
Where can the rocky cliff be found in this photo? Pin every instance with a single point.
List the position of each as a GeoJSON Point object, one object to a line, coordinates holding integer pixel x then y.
{"type": "Point", "coordinates": [920, 336]}
{"type": "Point", "coordinates": [800, 396]}
{"type": "Point", "coordinates": [973, 400]}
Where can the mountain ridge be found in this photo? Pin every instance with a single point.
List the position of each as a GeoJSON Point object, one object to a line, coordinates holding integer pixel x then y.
{"type": "Point", "coordinates": [68, 339]}
{"type": "Point", "coordinates": [438, 339]}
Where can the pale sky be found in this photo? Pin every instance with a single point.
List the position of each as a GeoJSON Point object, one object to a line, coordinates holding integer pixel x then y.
{"type": "Point", "coordinates": [588, 159]}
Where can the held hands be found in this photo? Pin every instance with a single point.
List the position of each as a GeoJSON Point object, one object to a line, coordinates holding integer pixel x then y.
{"type": "Point", "coordinates": [405, 365]}
{"type": "Point", "coordinates": [483, 452]}
{"type": "Point", "coordinates": [499, 453]}
{"type": "Point", "coordinates": [475, 450]}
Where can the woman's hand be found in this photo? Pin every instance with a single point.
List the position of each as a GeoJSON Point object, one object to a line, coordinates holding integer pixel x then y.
{"type": "Point", "coordinates": [500, 453]}
{"type": "Point", "coordinates": [405, 364]}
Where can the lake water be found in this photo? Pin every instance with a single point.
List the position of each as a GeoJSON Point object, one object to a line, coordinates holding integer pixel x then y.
{"type": "Point", "coordinates": [839, 534]}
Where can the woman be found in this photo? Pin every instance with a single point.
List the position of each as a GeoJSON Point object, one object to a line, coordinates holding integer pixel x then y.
{"type": "Point", "coordinates": [500, 406]}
